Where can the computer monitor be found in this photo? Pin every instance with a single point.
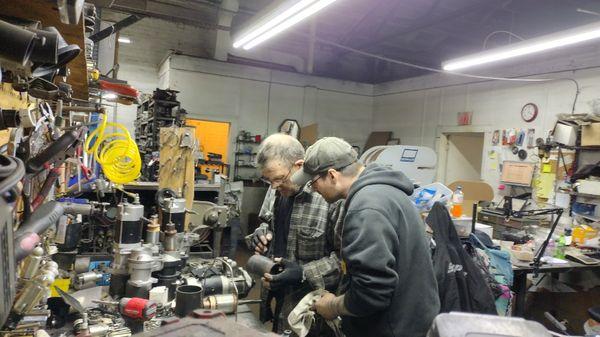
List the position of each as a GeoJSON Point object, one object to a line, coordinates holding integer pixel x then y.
{"type": "Point", "coordinates": [517, 173]}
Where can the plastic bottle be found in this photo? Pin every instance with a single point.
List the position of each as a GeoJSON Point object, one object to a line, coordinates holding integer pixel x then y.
{"type": "Point", "coordinates": [578, 235]}
{"type": "Point", "coordinates": [568, 236]}
{"type": "Point", "coordinates": [559, 251]}
{"type": "Point", "coordinates": [458, 199]}
{"type": "Point", "coordinates": [550, 248]}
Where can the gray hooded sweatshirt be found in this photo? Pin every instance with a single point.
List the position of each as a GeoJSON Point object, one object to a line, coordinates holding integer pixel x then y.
{"type": "Point", "coordinates": [389, 283]}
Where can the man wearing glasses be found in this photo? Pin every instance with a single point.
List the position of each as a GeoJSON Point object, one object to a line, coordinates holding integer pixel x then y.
{"type": "Point", "coordinates": [388, 285]}
{"type": "Point", "coordinates": [299, 231]}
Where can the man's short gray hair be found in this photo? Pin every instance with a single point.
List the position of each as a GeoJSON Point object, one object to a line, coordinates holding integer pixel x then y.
{"type": "Point", "coordinates": [281, 147]}
{"type": "Point", "coordinates": [352, 170]}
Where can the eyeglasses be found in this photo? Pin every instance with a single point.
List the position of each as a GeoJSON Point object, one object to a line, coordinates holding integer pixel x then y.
{"type": "Point", "coordinates": [313, 181]}
{"type": "Point", "coordinates": [277, 181]}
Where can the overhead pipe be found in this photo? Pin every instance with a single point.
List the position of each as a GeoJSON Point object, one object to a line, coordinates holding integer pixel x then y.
{"type": "Point", "coordinates": [106, 32]}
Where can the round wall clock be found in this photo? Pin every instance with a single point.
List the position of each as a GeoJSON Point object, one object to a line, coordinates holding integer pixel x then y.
{"type": "Point", "coordinates": [529, 112]}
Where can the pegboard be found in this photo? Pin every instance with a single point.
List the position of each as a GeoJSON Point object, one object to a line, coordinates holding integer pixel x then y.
{"type": "Point", "coordinates": [177, 147]}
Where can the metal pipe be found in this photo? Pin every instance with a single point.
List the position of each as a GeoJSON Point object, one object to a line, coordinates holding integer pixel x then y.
{"type": "Point", "coordinates": [259, 265]}
{"type": "Point", "coordinates": [187, 299]}
{"type": "Point", "coordinates": [78, 108]}
{"type": "Point", "coordinates": [106, 32]}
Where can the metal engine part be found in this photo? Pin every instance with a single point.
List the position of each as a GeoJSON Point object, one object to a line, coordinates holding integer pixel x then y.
{"type": "Point", "coordinates": [224, 278]}
{"type": "Point", "coordinates": [170, 241]}
{"type": "Point", "coordinates": [98, 330]}
{"type": "Point", "coordinates": [32, 264]}
{"type": "Point", "coordinates": [209, 215]}
{"type": "Point", "coordinates": [87, 280]}
{"type": "Point", "coordinates": [172, 209]}
{"type": "Point", "coordinates": [227, 303]}
{"type": "Point", "coordinates": [128, 236]}
{"type": "Point", "coordinates": [129, 223]}
{"type": "Point", "coordinates": [36, 289]}
{"type": "Point", "coordinates": [141, 265]}
{"type": "Point", "coordinates": [153, 231]}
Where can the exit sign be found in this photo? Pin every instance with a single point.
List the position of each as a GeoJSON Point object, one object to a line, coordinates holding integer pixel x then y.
{"type": "Point", "coordinates": [464, 118]}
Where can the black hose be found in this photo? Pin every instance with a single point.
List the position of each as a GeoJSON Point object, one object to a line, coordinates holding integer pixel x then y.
{"type": "Point", "coordinates": [42, 218]}
{"type": "Point", "coordinates": [58, 147]}
{"type": "Point", "coordinates": [12, 171]}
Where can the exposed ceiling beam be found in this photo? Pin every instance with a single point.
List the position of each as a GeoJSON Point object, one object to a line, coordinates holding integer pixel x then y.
{"type": "Point", "coordinates": [196, 13]}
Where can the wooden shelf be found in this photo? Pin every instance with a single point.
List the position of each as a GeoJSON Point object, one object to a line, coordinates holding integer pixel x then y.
{"type": "Point", "coordinates": [585, 195]}
{"type": "Point", "coordinates": [589, 217]}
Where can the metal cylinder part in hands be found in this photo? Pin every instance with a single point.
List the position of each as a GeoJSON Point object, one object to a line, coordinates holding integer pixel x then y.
{"type": "Point", "coordinates": [187, 299]}
{"type": "Point", "coordinates": [259, 265]}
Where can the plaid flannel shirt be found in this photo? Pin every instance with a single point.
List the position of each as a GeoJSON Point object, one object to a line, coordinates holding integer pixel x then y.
{"type": "Point", "coordinates": [311, 238]}
{"type": "Point", "coordinates": [312, 243]}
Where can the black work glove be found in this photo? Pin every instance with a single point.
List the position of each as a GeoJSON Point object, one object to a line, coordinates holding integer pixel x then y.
{"type": "Point", "coordinates": [260, 239]}
{"type": "Point", "coordinates": [292, 274]}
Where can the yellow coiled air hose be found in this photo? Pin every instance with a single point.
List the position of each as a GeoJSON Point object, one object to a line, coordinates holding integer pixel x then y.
{"type": "Point", "coordinates": [116, 152]}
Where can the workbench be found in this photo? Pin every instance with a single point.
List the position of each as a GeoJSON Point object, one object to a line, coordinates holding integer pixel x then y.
{"type": "Point", "coordinates": [521, 271]}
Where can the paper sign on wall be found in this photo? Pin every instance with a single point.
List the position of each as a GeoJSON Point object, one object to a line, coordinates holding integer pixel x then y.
{"type": "Point", "coordinates": [493, 160]}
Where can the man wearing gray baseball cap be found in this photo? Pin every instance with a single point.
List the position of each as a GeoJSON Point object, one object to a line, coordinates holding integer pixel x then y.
{"type": "Point", "coordinates": [388, 286]}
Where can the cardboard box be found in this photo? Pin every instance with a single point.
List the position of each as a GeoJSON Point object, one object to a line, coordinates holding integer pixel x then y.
{"type": "Point", "coordinates": [590, 134]}
{"type": "Point", "coordinates": [309, 134]}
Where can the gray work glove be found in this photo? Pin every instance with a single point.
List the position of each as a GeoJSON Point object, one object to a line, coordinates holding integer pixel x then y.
{"type": "Point", "coordinates": [259, 240]}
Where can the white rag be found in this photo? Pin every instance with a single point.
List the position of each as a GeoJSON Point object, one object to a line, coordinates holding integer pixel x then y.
{"type": "Point", "coordinates": [303, 317]}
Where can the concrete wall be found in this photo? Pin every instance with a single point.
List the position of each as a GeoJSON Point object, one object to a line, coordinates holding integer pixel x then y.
{"type": "Point", "coordinates": [258, 100]}
{"type": "Point", "coordinates": [419, 110]}
{"type": "Point", "coordinates": [151, 41]}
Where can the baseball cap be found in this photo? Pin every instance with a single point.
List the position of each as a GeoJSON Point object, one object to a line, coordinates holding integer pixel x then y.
{"type": "Point", "coordinates": [327, 153]}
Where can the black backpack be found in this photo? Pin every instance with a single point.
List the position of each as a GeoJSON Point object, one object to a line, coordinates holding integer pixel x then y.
{"type": "Point", "coordinates": [461, 283]}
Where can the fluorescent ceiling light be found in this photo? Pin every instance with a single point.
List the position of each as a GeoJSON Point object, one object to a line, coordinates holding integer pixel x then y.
{"type": "Point", "coordinates": [124, 39]}
{"type": "Point", "coordinates": [277, 18]}
{"type": "Point", "coordinates": [531, 46]}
